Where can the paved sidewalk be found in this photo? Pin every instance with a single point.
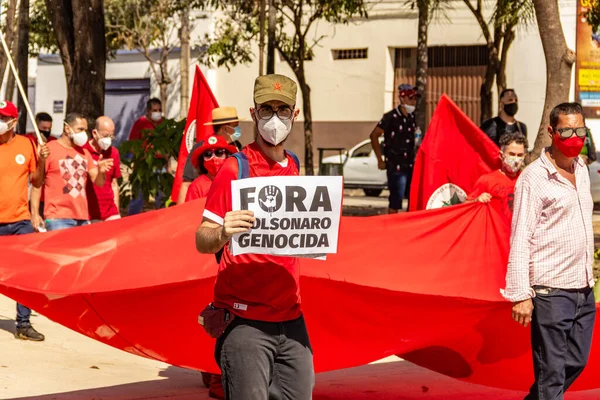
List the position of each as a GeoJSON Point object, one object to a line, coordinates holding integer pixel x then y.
{"type": "Point", "coordinates": [69, 366]}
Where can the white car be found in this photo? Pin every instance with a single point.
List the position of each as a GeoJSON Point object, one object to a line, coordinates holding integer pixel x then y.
{"type": "Point", "coordinates": [361, 171]}
{"type": "Point", "coordinates": [360, 168]}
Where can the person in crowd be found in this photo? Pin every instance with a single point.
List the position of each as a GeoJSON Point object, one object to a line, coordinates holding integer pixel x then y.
{"type": "Point", "coordinates": [66, 173]}
{"type": "Point", "coordinates": [148, 121]}
{"type": "Point", "coordinates": [505, 122]}
{"type": "Point", "coordinates": [103, 201]}
{"type": "Point", "coordinates": [549, 277]}
{"type": "Point", "coordinates": [500, 184]}
{"type": "Point", "coordinates": [262, 291]}
{"type": "Point", "coordinates": [398, 128]}
{"type": "Point", "coordinates": [227, 125]}
{"type": "Point", "coordinates": [19, 165]}
{"type": "Point", "coordinates": [208, 159]}
{"type": "Point", "coordinates": [44, 123]}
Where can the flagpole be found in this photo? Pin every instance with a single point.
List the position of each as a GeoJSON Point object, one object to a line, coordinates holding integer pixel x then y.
{"type": "Point", "coordinates": [21, 90]}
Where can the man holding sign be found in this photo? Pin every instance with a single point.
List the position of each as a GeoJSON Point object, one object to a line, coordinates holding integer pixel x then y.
{"type": "Point", "coordinates": [262, 340]}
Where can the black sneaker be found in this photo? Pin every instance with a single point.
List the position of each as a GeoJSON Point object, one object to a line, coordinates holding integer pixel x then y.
{"type": "Point", "coordinates": [28, 333]}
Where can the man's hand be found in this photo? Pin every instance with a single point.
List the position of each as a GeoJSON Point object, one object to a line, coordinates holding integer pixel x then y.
{"type": "Point", "coordinates": [484, 198]}
{"type": "Point", "coordinates": [237, 222]}
{"type": "Point", "coordinates": [522, 312]}
{"type": "Point", "coordinates": [104, 165]}
{"type": "Point", "coordinates": [381, 164]}
{"type": "Point", "coordinates": [37, 222]}
{"type": "Point", "coordinates": [44, 151]}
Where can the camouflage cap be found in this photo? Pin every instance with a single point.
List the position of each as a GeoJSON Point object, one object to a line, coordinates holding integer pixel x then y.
{"type": "Point", "coordinates": [275, 87]}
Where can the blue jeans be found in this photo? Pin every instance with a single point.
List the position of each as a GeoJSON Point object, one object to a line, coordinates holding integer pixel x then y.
{"type": "Point", "coordinates": [136, 204]}
{"type": "Point", "coordinates": [561, 337]}
{"type": "Point", "coordinates": [399, 185]}
{"type": "Point", "coordinates": [19, 228]}
{"type": "Point", "coordinates": [60, 224]}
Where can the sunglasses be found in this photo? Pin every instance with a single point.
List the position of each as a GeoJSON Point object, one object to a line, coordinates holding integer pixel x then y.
{"type": "Point", "coordinates": [219, 153]}
{"type": "Point", "coordinates": [566, 133]}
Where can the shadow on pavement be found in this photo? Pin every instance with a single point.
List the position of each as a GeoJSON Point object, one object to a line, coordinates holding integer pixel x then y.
{"type": "Point", "coordinates": [7, 324]}
{"type": "Point", "coordinates": [384, 381]}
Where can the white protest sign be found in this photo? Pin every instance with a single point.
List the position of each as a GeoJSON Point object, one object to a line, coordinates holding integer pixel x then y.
{"type": "Point", "coordinates": [295, 215]}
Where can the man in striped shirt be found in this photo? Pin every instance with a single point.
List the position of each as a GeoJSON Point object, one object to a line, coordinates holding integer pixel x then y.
{"type": "Point", "coordinates": [549, 278]}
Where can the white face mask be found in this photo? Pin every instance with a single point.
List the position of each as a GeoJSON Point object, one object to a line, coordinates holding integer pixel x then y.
{"type": "Point", "coordinates": [513, 164]}
{"type": "Point", "coordinates": [79, 138]}
{"type": "Point", "coordinates": [104, 143]}
{"type": "Point", "coordinates": [409, 109]}
{"type": "Point", "coordinates": [3, 127]}
{"type": "Point", "coordinates": [274, 130]}
{"type": "Point", "coordinates": [156, 116]}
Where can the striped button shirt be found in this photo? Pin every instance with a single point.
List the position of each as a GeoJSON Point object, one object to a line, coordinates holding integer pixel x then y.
{"type": "Point", "coordinates": [552, 240]}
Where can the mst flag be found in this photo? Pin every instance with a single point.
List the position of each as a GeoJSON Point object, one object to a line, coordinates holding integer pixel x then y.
{"type": "Point", "coordinates": [201, 105]}
{"type": "Point", "coordinates": [454, 154]}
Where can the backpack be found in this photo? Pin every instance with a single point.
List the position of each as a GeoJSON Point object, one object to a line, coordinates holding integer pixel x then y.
{"type": "Point", "coordinates": [244, 172]}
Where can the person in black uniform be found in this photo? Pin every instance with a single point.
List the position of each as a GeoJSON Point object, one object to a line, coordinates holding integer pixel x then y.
{"type": "Point", "coordinates": [398, 128]}
{"type": "Point", "coordinates": [505, 122]}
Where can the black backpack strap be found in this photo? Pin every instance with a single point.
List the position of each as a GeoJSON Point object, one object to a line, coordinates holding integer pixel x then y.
{"type": "Point", "coordinates": [295, 158]}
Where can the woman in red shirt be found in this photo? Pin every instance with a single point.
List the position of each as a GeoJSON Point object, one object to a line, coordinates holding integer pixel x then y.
{"type": "Point", "coordinates": [208, 158]}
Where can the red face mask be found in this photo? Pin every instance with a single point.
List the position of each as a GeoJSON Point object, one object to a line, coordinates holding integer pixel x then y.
{"type": "Point", "coordinates": [214, 165]}
{"type": "Point", "coordinates": [570, 147]}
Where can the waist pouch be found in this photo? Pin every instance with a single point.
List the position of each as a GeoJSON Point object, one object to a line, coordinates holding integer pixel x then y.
{"type": "Point", "coordinates": [215, 320]}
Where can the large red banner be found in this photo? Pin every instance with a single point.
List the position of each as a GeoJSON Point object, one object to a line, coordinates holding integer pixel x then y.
{"type": "Point", "coordinates": [454, 154]}
{"type": "Point", "coordinates": [201, 105]}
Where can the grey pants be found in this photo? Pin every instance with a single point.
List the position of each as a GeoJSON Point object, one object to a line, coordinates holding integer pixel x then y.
{"type": "Point", "coordinates": [561, 338]}
{"type": "Point", "coordinates": [266, 360]}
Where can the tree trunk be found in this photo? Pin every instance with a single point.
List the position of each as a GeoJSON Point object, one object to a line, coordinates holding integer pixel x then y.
{"type": "Point", "coordinates": [261, 40]}
{"type": "Point", "coordinates": [271, 38]}
{"type": "Point", "coordinates": [507, 40]}
{"type": "Point", "coordinates": [9, 34]}
{"type": "Point", "coordinates": [559, 63]}
{"type": "Point", "coordinates": [23, 62]}
{"type": "Point", "coordinates": [184, 62]}
{"type": "Point", "coordinates": [80, 34]}
{"type": "Point", "coordinates": [10, 82]}
{"type": "Point", "coordinates": [421, 112]}
{"type": "Point", "coordinates": [308, 133]}
{"type": "Point", "coordinates": [487, 85]}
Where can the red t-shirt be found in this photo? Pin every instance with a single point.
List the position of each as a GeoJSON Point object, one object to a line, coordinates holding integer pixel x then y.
{"type": "Point", "coordinates": [101, 200]}
{"type": "Point", "coordinates": [500, 186]}
{"type": "Point", "coordinates": [141, 124]}
{"type": "Point", "coordinates": [199, 188]}
{"type": "Point", "coordinates": [66, 177]}
{"type": "Point", "coordinates": [254, 286]}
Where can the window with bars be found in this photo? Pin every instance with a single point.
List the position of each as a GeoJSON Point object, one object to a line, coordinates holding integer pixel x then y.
{"type": "Point", "coordinates": [350, 54]}
{"type": "Point", "coordinates": [444, 56]}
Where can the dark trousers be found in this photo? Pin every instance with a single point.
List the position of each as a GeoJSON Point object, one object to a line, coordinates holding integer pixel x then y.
{"type": "Point", "coordinates": [561, 338]}
{"type": "Point", "coordinates": [19, 228]}
{"type": "Point", "coordinates": [266, 360]}
{"type": "Point", "coordinates": [399, 186]}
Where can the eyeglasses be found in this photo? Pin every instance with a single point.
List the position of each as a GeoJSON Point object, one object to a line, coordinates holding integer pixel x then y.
{"type": "Point", "coordinates": [566, 133]}
{"type": "Point", "coordinates": [266, 112]}
{"type": "Point", "coordinates": [219, 153]}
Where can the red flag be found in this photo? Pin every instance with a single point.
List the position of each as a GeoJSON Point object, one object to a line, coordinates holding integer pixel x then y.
{"type": "Point", "coordinates": [201, 105]}
{"type": "Point", "coordinates": [454, 154]}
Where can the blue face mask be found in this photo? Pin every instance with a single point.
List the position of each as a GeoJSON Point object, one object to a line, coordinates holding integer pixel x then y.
{"type": "Point", "coordinates": [237, 133]}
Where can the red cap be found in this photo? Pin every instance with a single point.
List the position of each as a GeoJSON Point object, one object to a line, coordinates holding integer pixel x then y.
{"type": "Point", "coordinates": [8, 109]}
{"type": "Point", "coordinates": [212, 143]}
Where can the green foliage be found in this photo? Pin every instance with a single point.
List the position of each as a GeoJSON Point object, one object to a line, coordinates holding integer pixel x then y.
{"type": "Point", "coordinates": [235, 32]}
{"type": "Point", "coordinates": [149, 159]}
{"type": "Point", "coordinates": [510, 13]}
{"type": "Point", "coordinates": [592, 15]}
{"type": "Point", "coordinates": [41, 34]}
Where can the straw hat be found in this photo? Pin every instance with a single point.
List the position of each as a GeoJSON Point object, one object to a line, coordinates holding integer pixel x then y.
{"type": "Point", "coordinates": [224, 115]}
